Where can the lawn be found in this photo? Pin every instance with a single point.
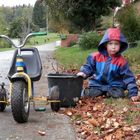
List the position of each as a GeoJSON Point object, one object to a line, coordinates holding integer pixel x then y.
{"type": "Point", "coordinates": [71, 56]}
{"type": "Point", "coordinates": [75, 57]}
{"type": "Point", "coordinates": [5, 49]}
{"type": "Point", "coordinates": [38, 40]}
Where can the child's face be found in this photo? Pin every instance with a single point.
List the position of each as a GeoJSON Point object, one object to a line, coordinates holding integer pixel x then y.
{"type": "Point", "coordinates": [113, 47]}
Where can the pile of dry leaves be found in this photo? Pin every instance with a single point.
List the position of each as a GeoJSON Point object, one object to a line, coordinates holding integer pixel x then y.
{"type": "Point", "coordinates": [94, 119]}
{"type": "Point", "coordinates": [97, 119]}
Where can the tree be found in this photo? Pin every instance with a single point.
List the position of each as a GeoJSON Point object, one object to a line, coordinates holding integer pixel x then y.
{"type": "Point", "coordinates": [15, 28]}
{"type": "Point", "coordinates": [57, 19]}
{"type": "Point", "coordinates": [39, 14]}
{"type": "Point", "coordinates": [82, 14]}
{"type": "Point", "coordinates": [21, 24]}
{"type": "Point", "coordinates": [129, 22]}
{"type": "Point", "coordinates": [6, 17]}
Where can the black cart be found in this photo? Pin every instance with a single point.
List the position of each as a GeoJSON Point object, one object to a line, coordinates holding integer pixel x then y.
{"type": "Point", "coordinates": [64, 90]}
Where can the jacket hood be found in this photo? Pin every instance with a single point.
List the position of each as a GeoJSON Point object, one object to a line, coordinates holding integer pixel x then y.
{"type": "Point", "coordinates": [112, 34]}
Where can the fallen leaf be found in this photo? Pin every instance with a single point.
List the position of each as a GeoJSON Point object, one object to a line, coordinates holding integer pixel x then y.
{"type": "Point", "coordinates": [98, 106]}
{"type": "Point", "coordinates": [94, 108]}
{"type": "Point", "coordinates": [92, 137]}
{"type": "Point", "coordinates": [78, 122]}
{"type": "Point", "coordinates": [93, 121]}
{"type": "Point", "coordinates": [42, 133]}
{"type": "Point", "coordinates": [135, 128]}
{"type": "Point", "coordinates": [125, 109]}
{"type": "Point", "coordinates": [116, 124]}
{"type": "Point", "coordinates": [127, 128]}
{"type": "Point", "coordinates": [89, 114]}
{"type": "Point", "coordinates": [119, 134]}
{"type": "Point", "coordinates": [108, 113]}
{"type": "Point", "coordinates": [69, 113]}
{"type": "Point", "coordinates": [101, 120]}
{"type": "Point", "coordinates": [108, 137]}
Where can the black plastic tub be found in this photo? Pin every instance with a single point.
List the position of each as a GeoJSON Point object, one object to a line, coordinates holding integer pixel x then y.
{"type": "Point", "coordinates": [69, 86]}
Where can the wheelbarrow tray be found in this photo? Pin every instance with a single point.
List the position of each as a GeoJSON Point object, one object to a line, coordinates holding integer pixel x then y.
{"type": "Point", "coordinates": [69, 85]}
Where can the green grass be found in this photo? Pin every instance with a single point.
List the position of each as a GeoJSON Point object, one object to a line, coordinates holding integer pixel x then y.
{"type": "Point", "coordinates": [133, 57]}
{"type": "Point", "coordinates": [38, 40]}
{"type": "Point", "coordinates": [120, 104]}
{"type": "Point", "coordinates": [117, 103]}
{"type": "Point", "coordinates": [75, 57]}
{"type": "Point", "coordinates": [71, 57]}
{"type": "Point", "coordinates": [130, 116]}
{"type": "Point", "coordinates": [5, 49]}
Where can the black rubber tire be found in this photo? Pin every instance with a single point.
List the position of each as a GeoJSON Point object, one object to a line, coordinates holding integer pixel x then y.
{"type": "Point", "coordinates": [55, 106]}
{"type": "Point", "coordinates": [20, 100]}
{"type": "Point", "coordinates": [2, 98]}
{"type": "Point", "coordinates": [54, 95]}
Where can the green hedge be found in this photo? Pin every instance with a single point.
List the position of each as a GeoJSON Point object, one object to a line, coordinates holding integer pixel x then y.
{"type": "Point", "coordinates": [4, 44]}
{"type": "Point", "coordinates": [129, 23]}
{"type": "Point", "coordinates": [89, 40]}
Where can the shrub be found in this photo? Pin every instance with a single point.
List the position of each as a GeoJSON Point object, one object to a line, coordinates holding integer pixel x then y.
{"type": "Point", "coordinates": [129, 23]}
{"type": "Point", "coordinates": [72, 43]}
{"type": "Point", "coordinates": [89, 40]}
{"type": "Point", "coordinates": [4, 44]}
{"type": "Point", "coordinates": [63, 37]}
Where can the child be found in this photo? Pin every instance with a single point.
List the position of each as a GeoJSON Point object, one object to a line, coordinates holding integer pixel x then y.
{"type": "Point", "coordinates": [108, 71]}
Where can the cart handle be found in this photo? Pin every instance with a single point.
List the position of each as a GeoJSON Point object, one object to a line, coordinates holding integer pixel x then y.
{"type": "Point", "coordinates": [63, 76]}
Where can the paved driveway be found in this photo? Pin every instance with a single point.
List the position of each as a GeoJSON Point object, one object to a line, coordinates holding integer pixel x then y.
{"type": "Point", "coordinates": [56, 126]}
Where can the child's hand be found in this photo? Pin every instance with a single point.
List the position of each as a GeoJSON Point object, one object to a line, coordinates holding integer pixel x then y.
{"type": "Point", "coordinates": [135, 98]}
{"type": "Point", "coordinates": [81, 74]}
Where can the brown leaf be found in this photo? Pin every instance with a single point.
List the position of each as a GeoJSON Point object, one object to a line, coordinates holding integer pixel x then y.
{"type": "Point", "coordinates": [116, 124]}
{"type": "Point", "coordinates": [119, 134]}
{"type": "Point", "coordinates": [135, 128]}
{"type": "Point", "coordinates": [108, 132]}
{"type": "Point", "coordinates": [69, 113]}
{"type": "Point", "coordinates": [101, 120]}
{"type": "Point", "coordinates": [108, 113]}
{"type": "Point", "coordinates": [125, 109]}
{"type": "Point", "coordinates": [93, 121]}
{"type": "Point", "coordinates": [89, 114]}
{"type": "Point", "coordinates": [78, 122]}
{"type": "Point", "coordinates": [108, 137]}
{"type": "Point", "coordinates": [98, 107]}
{"type": "Point", "coordinates": [127, 128]}
{"type": "Point", "coordinates": [94, 108]}
{"type": "Point", "coordinates": [135, 109]}
{"type": "Point", "coordinates": [92, 137]}
{"type": "Point", "coordinates": [138, 76]}
{"type": "Point", "coordinates": [42, 133]}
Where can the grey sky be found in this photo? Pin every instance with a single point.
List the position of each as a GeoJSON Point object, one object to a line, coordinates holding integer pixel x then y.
{"type": "Point", "coordinates": [16, 2]}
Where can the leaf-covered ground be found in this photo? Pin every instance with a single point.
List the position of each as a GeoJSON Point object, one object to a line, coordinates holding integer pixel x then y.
{"type": "Point", "coordinates": [104, 118]}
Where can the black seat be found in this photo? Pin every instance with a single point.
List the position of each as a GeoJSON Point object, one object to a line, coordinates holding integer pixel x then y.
{"type": "Point", "coordinates": [32, 62]}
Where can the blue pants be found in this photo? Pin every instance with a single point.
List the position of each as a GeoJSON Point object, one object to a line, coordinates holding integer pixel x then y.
{"type": "Point", "coordinates": [112, 92]}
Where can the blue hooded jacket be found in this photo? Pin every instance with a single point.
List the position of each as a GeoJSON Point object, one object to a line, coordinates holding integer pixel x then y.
{"type": "Point", "coordinates": [105, 71]}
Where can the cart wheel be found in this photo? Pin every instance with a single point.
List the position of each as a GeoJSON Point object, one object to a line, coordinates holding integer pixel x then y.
{"type": "Point", "coordinates": [3, 98]}
{"type": "Point", "coordinates": [54, 95]}
{"type": "Point", "coordinates": [55, 106]}
{"type": "Point", "coordinates": [20, 103]}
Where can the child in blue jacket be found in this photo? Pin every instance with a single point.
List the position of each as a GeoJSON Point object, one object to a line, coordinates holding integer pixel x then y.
{"type": "Point", "coordinates": [108, 70]}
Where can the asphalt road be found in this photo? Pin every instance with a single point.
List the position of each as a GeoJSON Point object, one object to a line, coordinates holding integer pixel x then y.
{"type": "Point", "coordinates": [55, 125]}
